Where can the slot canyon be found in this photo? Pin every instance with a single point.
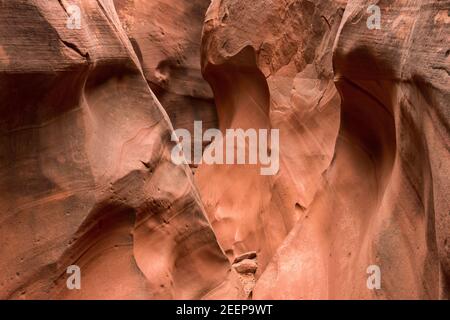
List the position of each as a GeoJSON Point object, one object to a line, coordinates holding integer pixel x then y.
{"type": "Point", "coordinates": [92, 91]}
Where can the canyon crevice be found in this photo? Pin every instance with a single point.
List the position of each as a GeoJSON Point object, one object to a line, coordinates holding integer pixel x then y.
{"type": "Point", "coordinates": [86, 133]}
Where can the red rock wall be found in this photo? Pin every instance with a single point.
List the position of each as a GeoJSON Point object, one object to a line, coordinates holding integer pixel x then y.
{"type": "Point", "coordinates": [87, 177]}
{"type": "Point", "coordinates": [166, 36]}
{"type": "Point", "coordinates": [360, 189]}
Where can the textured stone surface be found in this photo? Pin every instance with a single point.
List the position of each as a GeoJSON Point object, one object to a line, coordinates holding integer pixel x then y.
{"type": "Point", "coordinates": [86, 177]}
{"type": "Point", "coordinates": [247, 255]}
{"type": "Point", "coordinates": [368, 187]}
{"type": "Point", "coordinates": [246, 266]}
{"type": "Point", "coordinates": [166, 35]}
{"type": "Point", "coordinates": [78, 121]}
{"type": "Point", "coordinates": [384, 199]}
{"type": "Point", "coordinates": [271, 72]}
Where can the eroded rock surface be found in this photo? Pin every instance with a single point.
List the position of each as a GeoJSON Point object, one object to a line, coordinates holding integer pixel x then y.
{"type": "Point", "coordinates": [366, 188]}
{"type": "Point", "coordinates": [166, 36]}
{"type": "Point", "coordinates": [85, 142]}
{"type": "Point", "coordinates": [246, 266]}
{"type": "Point", "coordinates": [271, 72]}
{"type": "Point", "coordinates": [384, 199]}
{"type": "Point", "coordinates": [86, 177]}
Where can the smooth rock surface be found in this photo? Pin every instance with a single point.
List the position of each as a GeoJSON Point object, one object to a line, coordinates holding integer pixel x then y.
{"type": "Point", "coordinates": [270, 72]}
{"type": "Point", "coordinates": [384, 199]}
{"type": "Point", "coordinates": [77, 122]}
{"type": "Point", "coordinates": [166, 36]}
{"type": "Point", "coordinates": [87, 179]}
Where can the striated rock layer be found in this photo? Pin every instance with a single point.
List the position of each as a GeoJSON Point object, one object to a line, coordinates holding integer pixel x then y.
{"type": "Point", "coordinates": [86, 177]}
{"type": "Point", "coordinates": [368, 187]}
{"type": "Point", "coordinates": [87, 114]}
{"type": "Point", "coordinates": [384, 200]}
{"type": "Point", "coordinates": [276, 75]}
{"type": "Point", "coordinates": [166, 36]}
